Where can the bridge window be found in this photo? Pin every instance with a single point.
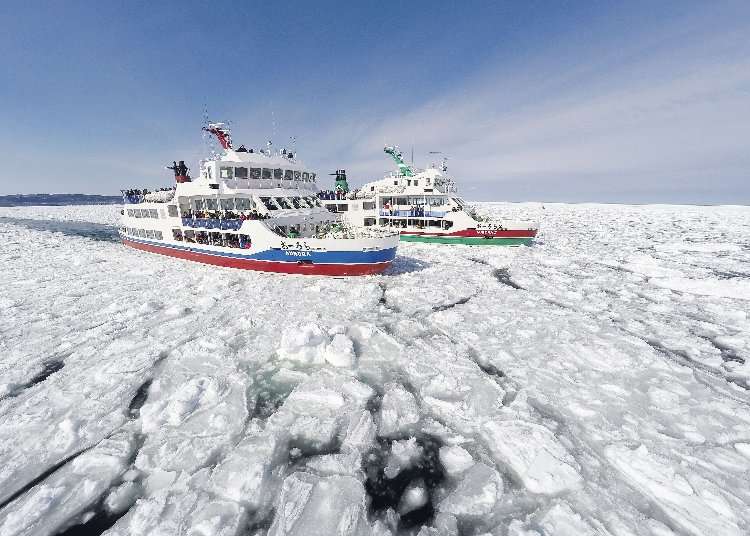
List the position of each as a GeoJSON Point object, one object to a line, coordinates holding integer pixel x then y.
{"type": "Point", "coordinates": [267, 173]}
{"type": "Point", "coordinates": [305, 176]}
{"type": "Point", "coordinates": [227, 204]}
{"type": "Point", "coordinates": [255, 173]}
{"type": "Point", "coordinates": [240, 173]}
{"type": "Point", "coordinates": [368, 205]}
{"type": "Point", "coordinates": [152, 213]}
{"type": "Point", "coordinates": [226, 172]}
{"type": "Point", "coordinates": [296, 202]}
{"type": "Point", "coordinates": [177, 234]}
{"type": "Point", "coordinates": [312, 177]}
{"type": "Point", "coordinates": [278, 174]}
{"type": "Point", "coordinates": [283, 203]}
{"type": "Point", "coordinates": [243, 203]}
{"type": "Point", "coordinates": [297, 175]}
{"type": "Point", "coordinates": [211, 204]}
{"type": "Point", "coordinates": [288, 174]}
{"type": "Point", "coordinates": [172, 210]}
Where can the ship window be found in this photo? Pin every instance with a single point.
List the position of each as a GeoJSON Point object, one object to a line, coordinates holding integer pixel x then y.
{"type": "Point", "coordinates": [330, 207]}
{"type": "Point", "coordinates": [130, 212]}
{"type": "Point", "coordinates": [278, 174]}
{"type": "Point", "coordinates": [369, 221]}
{"type": "Point", "coordinates": [227, 204]}
{"type": "Point", "coordinates": [408, 182]}
{"type": "Point", "coordinates": [226, 172]}
{"type": "Point", "coordinates": [282, 202]}
{"type": "Point", "coordinates": [368, 205]}
{"type": "Point", "coordinates": [266, 173]}
{"type": "Point", "coordinates": [305, 176]}
{"type": "Point", "coordinates": [416, 182]}
{"type": "Point", "coordinates": [152, 213]}
{"type": "Point", "coordinates": [141, 233]}
{"type": "Point", "coordinates": [158, 235]}
{"type": "Point", "coordinates": [199, 204]}
{"type": "Point", "coordinates": [296, 202]}
{"type": "Point", "coordinates": [240, 173]}
{"type": "Point", "coordinates": [244, 241]}
{"type": "Point", "coordinates": [255, 173]}
{"type": "Point", "coordinates": [242, 203]}
{"type": "Point", "coordinates": [189, 236]}
{"type": "Point", "coordinates": [177, 235]}
{"type": "Point", "coordinates": [149, 233]}
{"type": "Point", "coordinates": [288, 174]}
{"type": "Point", "coordinates": [312, 177]}
{"type": "Point", "coordinates": [297, 175]}
{"type": "Point", "coordinates": [395, 183]}
{"type": "Point", "coordinates": [344, 208]}
{"type": "Point", "coordinates": [172, 210]}
{"type": "Point", "coordinates": [211, 204]}
{"type": "Point", "coordinates": [268, 202]}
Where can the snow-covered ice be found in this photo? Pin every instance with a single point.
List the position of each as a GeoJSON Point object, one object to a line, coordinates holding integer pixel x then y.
{"type": "Point", "coordinates": [595, 383]}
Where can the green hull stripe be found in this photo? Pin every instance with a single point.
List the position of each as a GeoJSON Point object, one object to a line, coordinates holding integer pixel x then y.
{"type": "Point", "coordinates": [468, 240]}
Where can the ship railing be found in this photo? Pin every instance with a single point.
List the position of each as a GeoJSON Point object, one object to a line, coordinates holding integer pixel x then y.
{"type": "Point", "coordinates": [213, 223]}
{"type": "Point", "coordinates": [413, 213]}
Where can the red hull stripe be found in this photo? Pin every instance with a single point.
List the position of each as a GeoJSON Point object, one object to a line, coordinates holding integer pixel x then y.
{"type": "Point", "coordinates": [264, 266]}
{"type": "Point", "coordinates": [506, 233]}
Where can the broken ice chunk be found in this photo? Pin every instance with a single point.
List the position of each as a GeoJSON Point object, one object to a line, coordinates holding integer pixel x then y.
{"type": "Point", "coordinates": [476, 494]}
{"type": "Point", "coordinates": [403, 455]}
{"type": "Point", "coordinates": [455, 459]}
{"type": "Point", "coordinates": [399, 411]}
{"type": "Point", "coordinates": [415, 496]}
{"type": "Point", "coordinates": [340, 353]}
{"type": "Point", "coordinates": [693, 509]}
{"type": "Point", "coordinates": [310, 505]}
{"type": "Point", "coordinates": [563, 521]}
{"type": "Point", "coordinates": [533, 455]}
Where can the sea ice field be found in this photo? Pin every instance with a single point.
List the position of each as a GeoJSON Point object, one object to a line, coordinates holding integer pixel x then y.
{"type": "Point", "coordinates": [596, 383]}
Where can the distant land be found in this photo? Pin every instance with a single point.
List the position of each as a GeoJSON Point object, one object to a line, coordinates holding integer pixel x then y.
{"type": "Point", "coordinates": [25, 200]}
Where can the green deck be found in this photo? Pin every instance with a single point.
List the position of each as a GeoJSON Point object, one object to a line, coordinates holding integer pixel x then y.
{"type": "Point", "coordinates": [468, 240]}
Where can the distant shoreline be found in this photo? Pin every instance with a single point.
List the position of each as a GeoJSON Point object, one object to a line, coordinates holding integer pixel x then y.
{"type": "Point", "coordinates": [25, 200]}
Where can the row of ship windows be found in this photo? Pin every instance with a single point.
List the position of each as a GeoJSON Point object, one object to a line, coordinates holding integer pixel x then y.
{"type": "Point", "coordinates": [143, 213]}
{"type": "Point", "coordinates": [144, 233]}
{"type": "Point", "coordinates": [265, 173]}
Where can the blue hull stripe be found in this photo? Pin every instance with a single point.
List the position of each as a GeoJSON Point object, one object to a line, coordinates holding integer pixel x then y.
{"type": "Point", "coordinates": [279, 255]}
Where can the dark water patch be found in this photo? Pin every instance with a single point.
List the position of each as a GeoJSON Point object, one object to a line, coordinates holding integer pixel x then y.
{"type": "Point", "coordinates": [98, 524]}
{"type": "Point", "coordinates": [43, 476]}
{"type": "Point", "coordinates": [503, 276]}
{"type": "Point", "coordinates": [134, 408]}
{"type": "Point", "coordinates": [492, 370]}
{"type": "Point", "coordinates": [48, 369]}
{"type": "Point", "coordinates": [447, 306]}
{"type": "Point", "coordinates": [386, 493]}
{"type": "Point", "coordinates": [85, 229]}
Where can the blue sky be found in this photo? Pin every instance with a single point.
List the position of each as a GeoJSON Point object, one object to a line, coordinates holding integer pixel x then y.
{"type": "Point", "coordinates": [550, 101]}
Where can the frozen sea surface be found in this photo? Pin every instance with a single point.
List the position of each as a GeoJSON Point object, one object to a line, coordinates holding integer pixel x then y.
{"type": "Point", "coordinates": [595, 383]}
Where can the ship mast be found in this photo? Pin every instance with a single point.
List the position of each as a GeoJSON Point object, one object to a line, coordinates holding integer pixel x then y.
{"type": "Point", "coordinates": [403, 167]}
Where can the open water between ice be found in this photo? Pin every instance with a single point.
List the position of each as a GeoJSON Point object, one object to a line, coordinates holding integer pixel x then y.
{"type": "Point", "coordinates": [595, 383]}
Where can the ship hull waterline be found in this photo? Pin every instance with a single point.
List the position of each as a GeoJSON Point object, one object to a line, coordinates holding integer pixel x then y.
{"type": "Point", "coordinates": [283, 267]}
{"type": "Point", "coordinates": [468, 240]}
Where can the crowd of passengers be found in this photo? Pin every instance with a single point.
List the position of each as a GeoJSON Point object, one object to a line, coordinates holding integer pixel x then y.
{"type": "Point", "coordinates": [332, 195]}
{"type": "Point", "coordinates": [145, 191]}
{"type": "Point", "coordinates": [224, 215]}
